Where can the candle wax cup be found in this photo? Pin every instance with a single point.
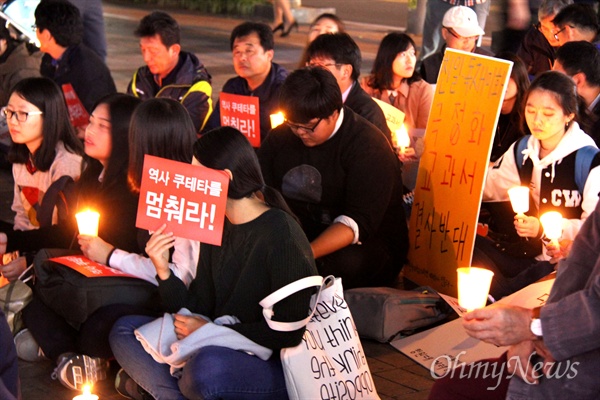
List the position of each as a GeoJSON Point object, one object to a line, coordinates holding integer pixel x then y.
{"type": "Point", "coordinates": [473, 287]}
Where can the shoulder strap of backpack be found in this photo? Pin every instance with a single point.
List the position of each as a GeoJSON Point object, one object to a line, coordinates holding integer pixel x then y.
{"type": "Point", "coordinates": [60, 194]}
{"type": "Point", "coordinates": [585, 159]}
{"type": "Point", "coordinates": [526, 170]}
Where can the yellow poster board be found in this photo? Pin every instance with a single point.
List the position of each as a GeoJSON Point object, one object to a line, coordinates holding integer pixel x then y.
{"type": "Point", "coordinates": [460, 130]}
{"type": "Point", "coordinates": [393, 116]}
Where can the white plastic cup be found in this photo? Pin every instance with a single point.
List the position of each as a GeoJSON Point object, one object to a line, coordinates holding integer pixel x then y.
{"type": "Point", "coordinates": [87, 222]}
{"type": "Point", "coordinates": [519, 199]}
{"type": "Point", "coordinates": [473, 287]}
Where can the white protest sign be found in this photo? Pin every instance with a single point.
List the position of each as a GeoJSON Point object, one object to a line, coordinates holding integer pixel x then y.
{"type": "Point", "coordinates": [448, 345]}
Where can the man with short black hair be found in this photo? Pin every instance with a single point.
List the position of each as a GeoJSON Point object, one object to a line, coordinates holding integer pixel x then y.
{"type": "Point", "coordinates": [170, 72]}
{"type": "Point", "coordinates": [577, 22]}
{"type": "Point", "coordinates": [339, 177]}
{"type": "Point", "coordinates": [341, 56]}
{"type": "Point", "coordinates": [581, 61]}
{"type": "Point", "coordinates": [258, 76]}
{"type": "Point", "coordinates": [59, 29]}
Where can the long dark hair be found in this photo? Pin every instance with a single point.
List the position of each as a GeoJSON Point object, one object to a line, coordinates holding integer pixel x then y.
{"type": "Point", "coordinates": [159, 127]}
{"type": "Point", "coordinates": [521, 78]}
{"type": "Point", "coordinates": [47, 96]}
{"type": "Point", "coordinates": [227, 148]}
{"type": "Point", "coordinates": [382, 75]}
{"type": "Point", "coordinates": [120, 110]}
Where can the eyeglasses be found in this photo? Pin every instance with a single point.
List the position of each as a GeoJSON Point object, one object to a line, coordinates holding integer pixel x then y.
{"type": "Point", "coordinates": [34, 27]}
{"type": "Point", "coordinates": [295, 127]}
{"type": "Point", "coordinates": [21, 115]}
{"type": "Point", "coordinates": [456, 35]}
{"type": "Point", "coordinates": [559, 31]}
{"type": "Point", "coordinates": [311, 64]}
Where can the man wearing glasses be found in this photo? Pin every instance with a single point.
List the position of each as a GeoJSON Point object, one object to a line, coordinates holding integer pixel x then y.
{"type": "Point", "coordinates": [341, 179]}
{"type": "Point", "coordinates": [341, 56]}
{"type": "Point", "coordinates": [577, 22]}
{"type": "Point", "coordinates": [460, 31]}
{"type": "Point", "coordinates": [539, 44]}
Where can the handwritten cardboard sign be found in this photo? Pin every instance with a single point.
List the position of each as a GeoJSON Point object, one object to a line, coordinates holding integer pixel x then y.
{"type": "Point", "coordinates": [190, 199]}
{"type": "Point", "coordinates": [448, 345]}
{"type": "Point", "coordinates": [89, 268]}
{"type": "Point", "coordinates": [77, 113]}
{"type": "Point", "coordinates": [242, 113]}
{"type": "Point", "coordinates": [393, 116]}
{"type": "Point", "coordinates": [449, 186]}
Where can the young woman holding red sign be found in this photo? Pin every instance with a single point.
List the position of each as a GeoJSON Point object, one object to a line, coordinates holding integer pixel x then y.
{"type": "Point", "coordinates": [263, 249]}
{"type": "Point", "coordinates": [103, 187]}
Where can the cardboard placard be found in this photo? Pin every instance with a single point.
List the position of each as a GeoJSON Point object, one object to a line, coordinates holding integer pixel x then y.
{"type": "Point", "coordinates": [448, 345]}
{"type": "Point", "coordinates": [242, 113]}
{"type": "Point", "coordinates": [452, 169]}
{"type": "Point", "coordinates": [89, 268]}
{"type": "Point", "coordinates": [190, 199]}
{"type": "Point", "coordinates": [393, 116]}
{"type": "Point", "coordinates": [77, 113]}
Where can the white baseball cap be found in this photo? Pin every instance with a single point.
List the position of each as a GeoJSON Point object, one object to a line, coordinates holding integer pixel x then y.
{"type": "Point", "coordinates": [463, 21]}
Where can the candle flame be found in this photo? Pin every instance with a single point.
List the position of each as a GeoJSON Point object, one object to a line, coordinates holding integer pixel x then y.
{"type": "Point", "coordinates": [401, 137]}
{"type": "Point", "coordinates": [277, 119]}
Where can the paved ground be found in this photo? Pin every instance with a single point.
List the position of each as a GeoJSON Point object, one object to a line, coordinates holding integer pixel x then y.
{"type": "Point", "coordinates": [395, 375]}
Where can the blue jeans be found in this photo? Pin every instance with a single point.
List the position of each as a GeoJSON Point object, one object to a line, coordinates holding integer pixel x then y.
{"type": "Point", "coordinates": [213, 373]}
{"type": "Point", "coordinates": [432, 28]}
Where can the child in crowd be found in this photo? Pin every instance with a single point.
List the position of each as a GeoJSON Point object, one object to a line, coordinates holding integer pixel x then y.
{"type": "Point", "coordinates": [46, 157]}
{"type": "Point", "coordinates": [550, 162]}
{"type": "Point", "coordinates": [259, 226]}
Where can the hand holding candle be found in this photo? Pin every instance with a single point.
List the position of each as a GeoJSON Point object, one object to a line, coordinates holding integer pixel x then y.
{"type": "Point", "coordinates": [473, 287]}
{"type": "Point", "coordinates": [277, 119]}
{"type": "Point", "coordinates": [519, 199]}
{"type": "Point", "coordinates": [87, 222]}
{"type": "Point", "coordinates": [552, 224]}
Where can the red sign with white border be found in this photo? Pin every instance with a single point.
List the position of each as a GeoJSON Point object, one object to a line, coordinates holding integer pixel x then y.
{"type": "Point", "coordinates": [190, 199]}
{"type": "Point", "coordinates": [242, 113]}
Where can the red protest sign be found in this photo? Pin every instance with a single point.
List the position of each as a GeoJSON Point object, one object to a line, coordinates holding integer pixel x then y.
{"type": "Point", "coordinates": [190, 199]}
{"type": "Point", "coordinates": [242, 113]}
{"type": "Point", "coordinates": [77, 113]}
{"type": "Point", "coordinates": [89, 268]}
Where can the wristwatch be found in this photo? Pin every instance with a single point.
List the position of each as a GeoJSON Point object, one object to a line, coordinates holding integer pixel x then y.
{"type": "Point", "coordinates": [536, 323]}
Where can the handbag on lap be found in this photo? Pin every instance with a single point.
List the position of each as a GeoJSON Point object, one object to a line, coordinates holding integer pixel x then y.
{"type": "Point", "coordinates": [330, 361]}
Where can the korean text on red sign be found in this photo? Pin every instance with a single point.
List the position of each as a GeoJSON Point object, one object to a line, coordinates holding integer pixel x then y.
{"type": "Point", "coordinates": [241, 112]}
{"type": "Point", "coordinates": [190, 199]}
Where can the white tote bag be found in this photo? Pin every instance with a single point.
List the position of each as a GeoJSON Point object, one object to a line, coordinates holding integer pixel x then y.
{"type": "Point", "coordinates": [330, 361]}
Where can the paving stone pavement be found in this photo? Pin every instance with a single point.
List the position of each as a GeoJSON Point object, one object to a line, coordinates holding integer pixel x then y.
{"type": "Point", "coordinates": [395, 375]}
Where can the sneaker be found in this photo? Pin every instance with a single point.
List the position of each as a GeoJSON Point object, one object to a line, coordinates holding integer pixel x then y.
{"type": "Point", "coordinates": [76, 370]}
{"type": "Point", "coordinates": [27, 348]}
{"type": "Point", "coordinates": [128, 388]}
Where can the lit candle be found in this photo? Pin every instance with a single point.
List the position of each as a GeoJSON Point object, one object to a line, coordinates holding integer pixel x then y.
{"type": "Point", "coordinates": [401, 139]}
{"type": "Point", "coordinates": [277, 119]}
{"type": "Point", "coordinates": [473, 287]}
{"type": "Point", "coordinates": [519, 198]}
{"type": "Point", "coordinates": [552, 224]}
{"type": "Point", "coordinates": [87, 221]}
{"type": "Point", "coordinates": [87, 394]}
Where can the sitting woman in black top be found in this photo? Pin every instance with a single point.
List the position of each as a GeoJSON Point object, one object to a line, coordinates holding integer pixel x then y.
{"type": "Point", "coordinates": [263, 249]}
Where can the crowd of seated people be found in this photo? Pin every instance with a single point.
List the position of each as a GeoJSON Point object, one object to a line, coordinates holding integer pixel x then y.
{"type": "Point", "coordinates": [301, 202]}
